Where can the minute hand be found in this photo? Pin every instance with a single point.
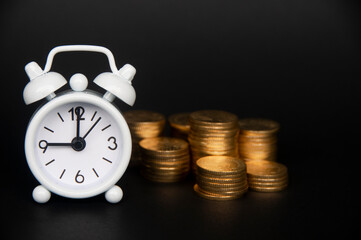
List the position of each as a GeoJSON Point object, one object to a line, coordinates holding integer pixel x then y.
{"type": "Point", "coordinates": [91, 128]}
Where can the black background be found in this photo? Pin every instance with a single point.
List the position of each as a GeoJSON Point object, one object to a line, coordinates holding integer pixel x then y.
{"type": "Point", "coordinates": [297, 62]}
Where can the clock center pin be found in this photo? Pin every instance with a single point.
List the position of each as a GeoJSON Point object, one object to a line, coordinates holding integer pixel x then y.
{"type": "Point", "coordinates": [78, 143]}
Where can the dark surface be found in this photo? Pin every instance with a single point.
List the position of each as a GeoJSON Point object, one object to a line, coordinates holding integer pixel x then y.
{"type": "Point", "coordinates": [297, 62]}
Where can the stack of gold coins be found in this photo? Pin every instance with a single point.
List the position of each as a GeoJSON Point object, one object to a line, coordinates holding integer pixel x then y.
{"type": "Point", "coordinates": [179, 124]}
{"type": "Point", "coordinates": [258, 139]}
{"type": "Point", "coordinates": [143, 124]}
{"type": "Point", "coordinates": [267, 176]}
{"type": "Point", "coordinates": [221, 178]}
{"type": "Point", "coordinates": [212, 133]}
{"type": "Point", "coordinates": [164, 159]}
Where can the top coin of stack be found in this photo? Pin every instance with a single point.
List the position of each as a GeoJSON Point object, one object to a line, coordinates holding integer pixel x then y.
{"type": "Point", "coordinates": [164, 159]}
{"type": "Point", "coordinates": [143, 124]}
{"type": "Point", "coordinates": [258, 139]}
{"type": "Point", "coordinates": [212, 133]}
{"type": "Point", "coordinates": [221, 178]}
{"type": "Point", "coordinates": [267, 176]}
{"type": "Point", "coordinates": [179, 124]}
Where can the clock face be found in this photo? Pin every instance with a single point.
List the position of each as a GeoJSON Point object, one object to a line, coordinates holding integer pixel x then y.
{"type": "Point", "coordinates": [78, 146]}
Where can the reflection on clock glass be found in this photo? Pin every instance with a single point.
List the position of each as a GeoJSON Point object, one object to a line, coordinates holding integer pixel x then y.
{"type": "Point", "coordinates": [78, 145]}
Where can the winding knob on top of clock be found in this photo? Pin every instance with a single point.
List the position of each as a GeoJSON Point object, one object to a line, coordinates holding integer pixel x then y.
{"type": "Point", "coordinates": [41, 84]}
{"type": "Point", "coordinates": [118, 84]}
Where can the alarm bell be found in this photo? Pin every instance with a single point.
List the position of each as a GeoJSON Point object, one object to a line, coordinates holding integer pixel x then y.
{"type": "Point", "coordinates": [118, 84]}
{"type": "Point", "coordinates": [41, 84]}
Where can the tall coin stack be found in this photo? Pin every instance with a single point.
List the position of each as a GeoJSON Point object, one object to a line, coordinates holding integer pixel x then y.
{"type": "Point", "coordinates": [212, 133]}
{"type": "Point", "coordinates": [143, 124]}
{"type": "Point", "coordinates": [179, 124]}
{"type": "Point", "coordinates": [221, 178]}
{"type": "Point", "coordinates": [164, 159]}
{"type": "Point", "coordinates": [258, 139]}
{"type": "Point", "coordinates": [267, 176]}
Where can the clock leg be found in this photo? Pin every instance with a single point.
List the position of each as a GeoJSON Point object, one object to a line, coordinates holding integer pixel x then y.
{"type": "Point", "coordinates": [114, 194]}
{"type": "Point", "coordinates": [41, 194]}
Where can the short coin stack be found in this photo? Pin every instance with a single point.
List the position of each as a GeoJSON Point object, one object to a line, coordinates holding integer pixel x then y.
{"type": "Point", "coordinates": [164, 159]}
{"type": "Point", "coordinates": [258, 139]}
{"type": "Point", "coordinates": [179, 124]}
{"type": "Point", "coordinates": [212, 133]}
{"type": "Point", "coordinates": [221, 178]}
{"type": "Point", "coordinates": [267, 176]}
{"type": "Point", "coordinates": [143, 124]}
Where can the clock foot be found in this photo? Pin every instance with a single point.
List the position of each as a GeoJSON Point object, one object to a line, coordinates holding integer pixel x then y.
{"type": "Point", "coordinates": [114, 194]}
{"type": "Point", "coordinates": [41, 194]}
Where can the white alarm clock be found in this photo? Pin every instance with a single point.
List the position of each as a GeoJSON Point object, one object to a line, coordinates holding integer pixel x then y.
{"type": "Point", "coordinates": [78, 144]}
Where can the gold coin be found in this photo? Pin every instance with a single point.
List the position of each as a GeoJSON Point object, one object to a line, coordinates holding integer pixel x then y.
{"type": "Point", "coordinates": [225, 193]}
{"type": "Point", "coordinates": [268, 189]}
{"type": "Point", "coordinates": [143, 116]}
{"type": "Point", "coordinates": [180, 121]}
{"type": "Point", "coordinates": [265, 169]}
{"type": "Point", "coordinates": [220, 165]}
{"type": "Point", "coordinates": [238, 185]}
{"type": "Point", "coordinates": [268, 180]}
{"type": "Point", "coordinates": [165, 167]}
{"type": "Point", "coordinates": [213, 117]}
{"type": "Point", "coordinates": [258, 126]}
{"type": "Point", "coordinates": [165, 170]}
{"type": "Point", "coordinates": [164, 144]}
{"type": "Point", "coordinates": [224, 190]}
{"type": "Point", "coordinates": [267, 184]}
{"type": "Point", "coordinates": [167, 162]}
{"type": "Point", "coordinates": [267, 158]}
{"type": "Point", "coordinates": [222, 175]}
{"type": "Point", "coordinates": [210, 196]}
{"type": "Point", "coordinates": [213, 179]}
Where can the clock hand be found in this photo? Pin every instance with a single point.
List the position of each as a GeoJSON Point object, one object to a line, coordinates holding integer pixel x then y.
{"type": "Point", "coordinates": [78, 118]}
{"type": "Point", "coordinates": [59, 144]}
{"type": "Point", "coordinates": [92, 127]}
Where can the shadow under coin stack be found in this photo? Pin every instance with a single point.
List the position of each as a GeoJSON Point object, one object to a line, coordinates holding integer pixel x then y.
{"type": "Point", "coordinates": [258, 139]}
{"type": "Point", "coordinates": [221, 178]}
{"type": "Point", "coordinates": [164, 159]}
{"type": "Point", "coordinates": [212, 133]}
{"type": "Point", "coordinates": [143, 124]}
{"type": "Point", "coordinates": [267, 176]}
{"type": "Point", "coordinates": [179, 125]}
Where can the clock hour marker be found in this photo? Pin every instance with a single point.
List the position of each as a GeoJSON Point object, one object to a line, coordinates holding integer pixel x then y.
{"type": "Point", "coordinates": [49, 162]}
{"type": "Point", "coordinates": [95, 172]}
{"type": "Point", "coordinates": [60, 117]}
{"type": "Point", "coordinates": [93, 116]}
{"type": "Point", "coordinates": [106, 127]}
{"type": "Point", "coordinates": [62, 174]}
{"type": "Point", "coordinates": [49, 129]}
{"type": "Point", "coordinates": [107, 160]}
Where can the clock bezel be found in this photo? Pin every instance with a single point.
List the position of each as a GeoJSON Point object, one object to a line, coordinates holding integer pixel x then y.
{"type": "Point", "coordinates": [66, 98]}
